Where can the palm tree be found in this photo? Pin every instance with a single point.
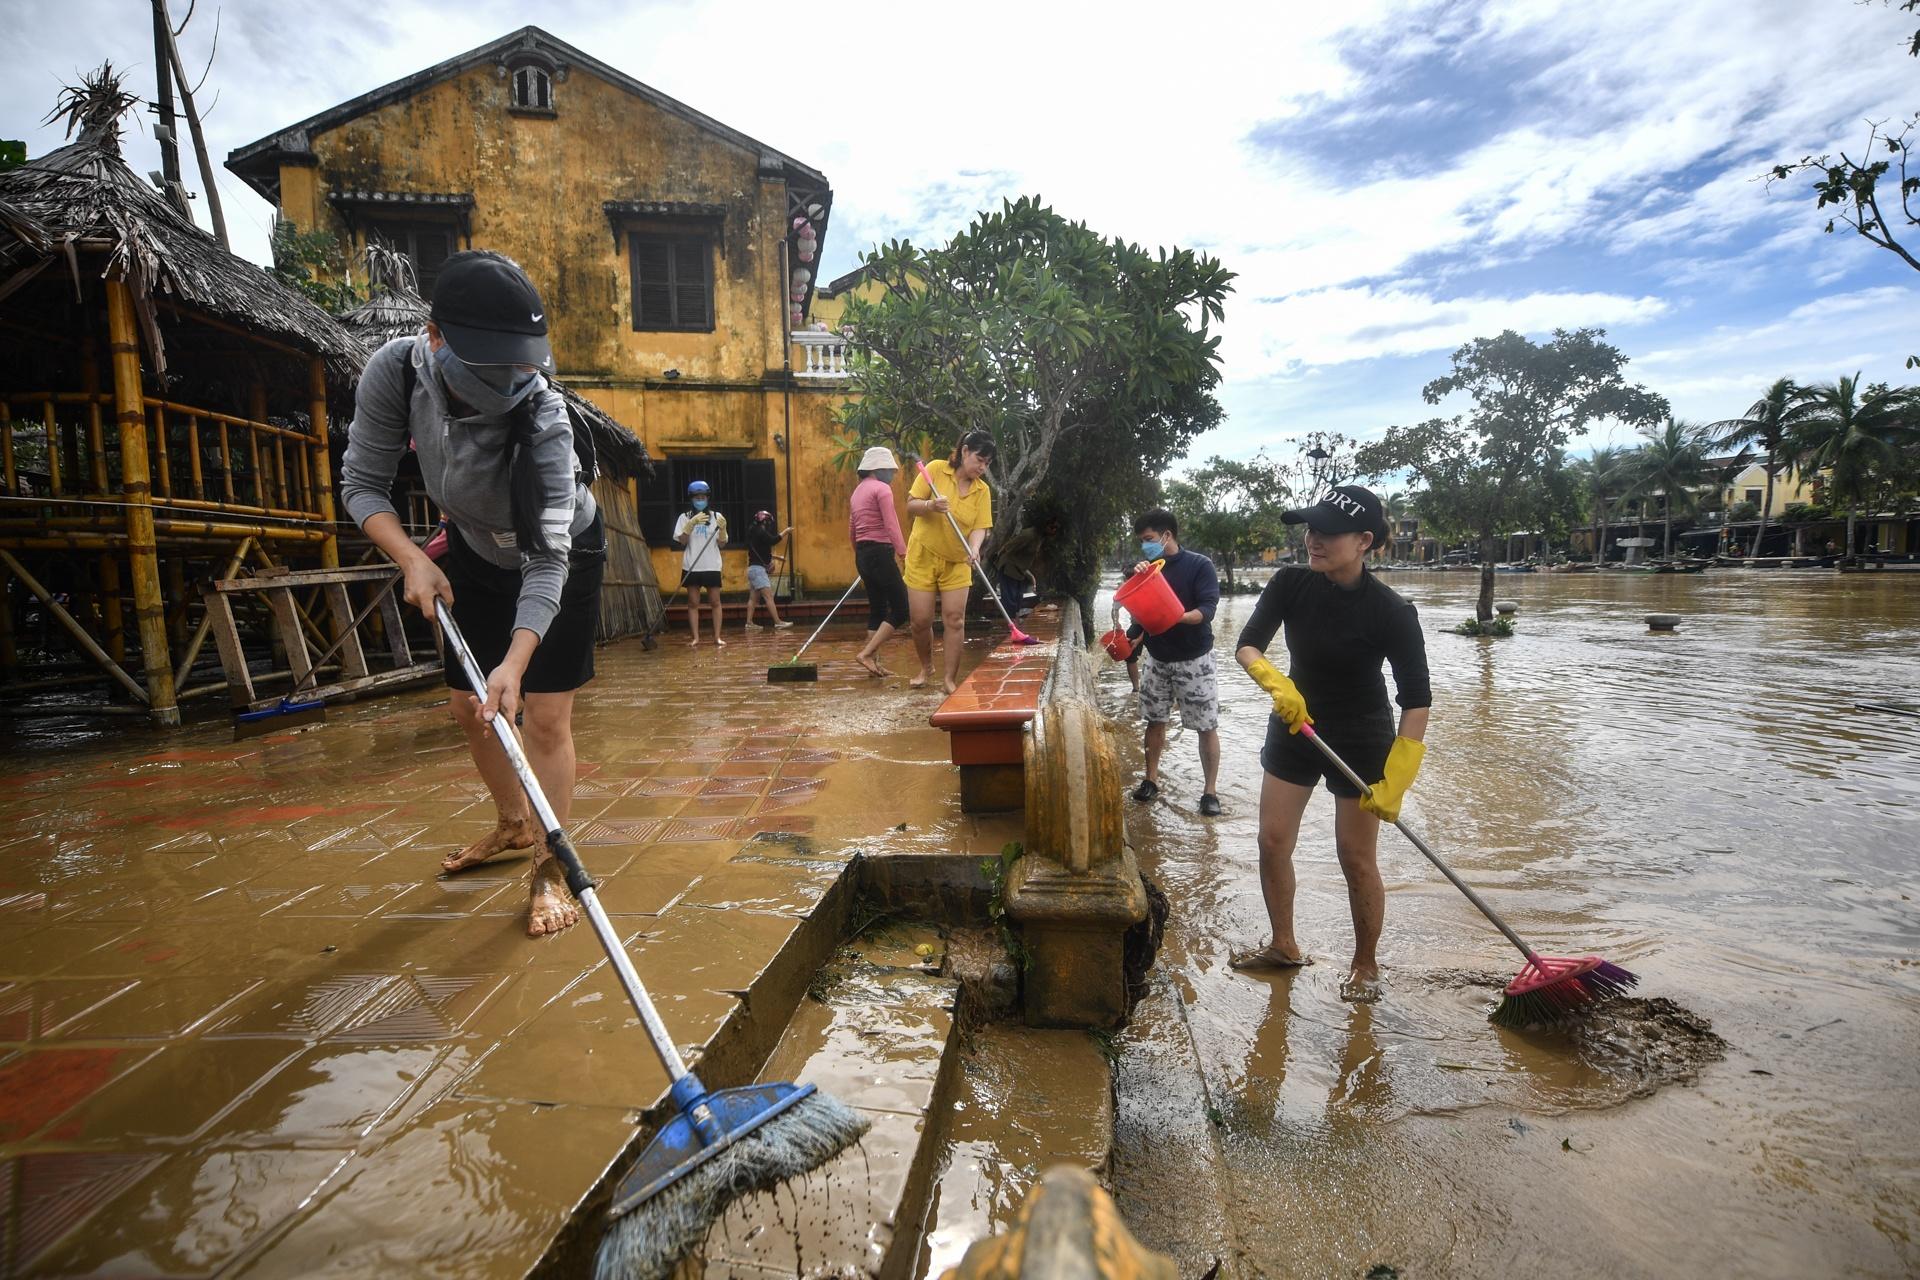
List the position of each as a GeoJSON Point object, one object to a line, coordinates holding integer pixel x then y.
{"type": "Point", "coordinates": [1601, 476]}
{"type": "Point", "coordinates": [1765, 423]}
{"type": "Point", "coordinates": [1853, 434]}
{"type": "Point", "coordinates": [1673, 464]}
{"type": "Point", "coordinates": [1393, 509]}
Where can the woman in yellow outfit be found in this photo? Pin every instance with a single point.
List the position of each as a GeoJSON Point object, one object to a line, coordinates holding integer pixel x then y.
{"type": "Point", "coordinates": [939, 568]}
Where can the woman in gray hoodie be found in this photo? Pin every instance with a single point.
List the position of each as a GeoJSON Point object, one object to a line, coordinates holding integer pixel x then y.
{"type": "Point", "coordinates": [525, 545]}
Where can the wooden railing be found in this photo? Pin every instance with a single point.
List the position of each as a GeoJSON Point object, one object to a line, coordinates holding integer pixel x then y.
{"type": "Point", "coordinates": [62, 446]}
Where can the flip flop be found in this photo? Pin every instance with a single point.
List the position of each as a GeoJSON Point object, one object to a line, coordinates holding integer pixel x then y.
{"type": "Point", "coordinates": [1265, 958]}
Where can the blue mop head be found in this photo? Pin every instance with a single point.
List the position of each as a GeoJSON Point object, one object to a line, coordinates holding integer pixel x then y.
{"type": "Point", "coordinates": [684, 1182]}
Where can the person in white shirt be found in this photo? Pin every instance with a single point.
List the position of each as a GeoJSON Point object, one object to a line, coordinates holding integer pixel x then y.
{"type": "Point", "coordinates": [701, 533]}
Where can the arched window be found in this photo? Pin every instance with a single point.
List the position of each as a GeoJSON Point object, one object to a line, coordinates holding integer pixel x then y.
{"type": "Point", "coordinates": [533, 87]}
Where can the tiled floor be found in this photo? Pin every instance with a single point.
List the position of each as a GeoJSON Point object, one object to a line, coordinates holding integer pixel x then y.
{"type": "Point", "coordinates": [243, 1021]}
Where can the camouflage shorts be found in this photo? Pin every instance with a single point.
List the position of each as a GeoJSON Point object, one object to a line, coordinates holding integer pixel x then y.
{"type": "Point", "coordinates": [1189, 683]}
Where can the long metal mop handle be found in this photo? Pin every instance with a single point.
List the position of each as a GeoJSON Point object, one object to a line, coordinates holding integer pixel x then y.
{"type": "Point", "coordinates": [1421, 845]}
{"type": "Point", "coordinates": [971, 558]}
{"type": "Point", "coordinates": [577, 878]}
{"type": "Point", "coordinates": [823, 622]}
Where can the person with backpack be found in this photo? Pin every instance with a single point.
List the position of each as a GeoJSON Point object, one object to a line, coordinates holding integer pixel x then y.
{"type": "Point", "coordinates": [762, 538]}
{"type": "Point", "coordinates": [526, 546]}
{"type": "Point", "coordinates": [700, 534]}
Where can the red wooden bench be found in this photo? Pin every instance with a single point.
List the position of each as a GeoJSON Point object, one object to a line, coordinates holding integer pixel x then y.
{"type": "Point", "coordinates": [986, 717]}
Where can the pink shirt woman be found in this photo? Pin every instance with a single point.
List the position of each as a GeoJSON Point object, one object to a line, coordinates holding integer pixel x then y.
{"type": "Point", "coordinates": [874, 526]}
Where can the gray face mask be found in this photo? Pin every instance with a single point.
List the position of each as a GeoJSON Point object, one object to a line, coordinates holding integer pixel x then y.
{"type": "Point", "coordinates": [884, 475]}
{"type": "Point", "coordinates": [491, 391]}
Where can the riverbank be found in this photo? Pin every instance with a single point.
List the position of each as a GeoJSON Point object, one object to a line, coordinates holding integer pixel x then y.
{"type": "Point", "coordinates": [1706, 808]}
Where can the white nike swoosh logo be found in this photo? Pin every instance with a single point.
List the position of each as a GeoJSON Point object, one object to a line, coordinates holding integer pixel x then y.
{"type": "Point", "coordinates": [538, 316]}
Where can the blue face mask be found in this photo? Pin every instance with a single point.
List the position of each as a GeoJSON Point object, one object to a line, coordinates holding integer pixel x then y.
{"type": "Point", "coordinates": [699, 504]}
{"type": "Point", "coordinates": [1153, 550]}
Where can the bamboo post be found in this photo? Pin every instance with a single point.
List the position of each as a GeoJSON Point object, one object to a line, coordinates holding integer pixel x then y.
{"type": "Point", "coordinates": [50, 427]}
{"type": "Point", "coordinates": [142, 557]}
{"type": "Point", "coordinates": [96, 431]}
{"type": "Point", "coordinates": [322, 469]}
{"type": "Point", "coordinates": [226, 464]}
{"type": "Point", "coordinates": [79, 633]}
{"type": "Point", "coordinates": [253, 457]}
{"type": "Point", "coordinates": [159, 459]}
{"type": "Point", "coordinates": [113, 618]}
{"type": "Point", "coordinates": [280, 470]}
{"type": "Point", "coordinates": [6, 448]}
{"type": "Point", "coordinates": [198, 481]}
{"type": "Point", "coordinates": [199, 637]}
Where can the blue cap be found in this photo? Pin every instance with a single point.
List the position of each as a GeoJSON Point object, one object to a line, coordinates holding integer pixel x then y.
{"type": "Point", "coordinates": [698, 486]}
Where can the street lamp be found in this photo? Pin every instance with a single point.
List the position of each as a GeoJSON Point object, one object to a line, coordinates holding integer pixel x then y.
{"type": "Point", "coordinates": [1319, 457]}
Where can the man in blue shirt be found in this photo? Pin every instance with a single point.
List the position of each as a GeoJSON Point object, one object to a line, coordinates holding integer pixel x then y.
{"type": "Point", "coordinates": [1179, 661]}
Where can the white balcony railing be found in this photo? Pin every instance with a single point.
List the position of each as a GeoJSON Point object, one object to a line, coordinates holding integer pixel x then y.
{"type": "Point", "coordinates": [822, 354]}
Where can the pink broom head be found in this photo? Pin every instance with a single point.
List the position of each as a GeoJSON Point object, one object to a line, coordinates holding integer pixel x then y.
{"type": "Point", "coordinates": [1551, 989]}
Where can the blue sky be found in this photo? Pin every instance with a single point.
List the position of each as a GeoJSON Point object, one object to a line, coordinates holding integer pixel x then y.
{"type": "Point", "coordinates": [1390, 180]}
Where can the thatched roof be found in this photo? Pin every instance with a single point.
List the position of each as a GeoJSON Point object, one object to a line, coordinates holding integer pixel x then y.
{"type": "Point", "coordinates": [395, 311]}
{"type": "Point", "coordinates": [83, 199]}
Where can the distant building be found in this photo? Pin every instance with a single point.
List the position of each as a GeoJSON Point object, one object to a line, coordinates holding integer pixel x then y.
{"type": "Point", "coordinates": [674, 253]}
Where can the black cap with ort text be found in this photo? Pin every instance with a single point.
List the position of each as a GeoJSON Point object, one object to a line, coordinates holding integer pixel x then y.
{"type": "Point", "coordinates": [1347, 508]}
{"type": "Point", "coordinates": [489, 312]}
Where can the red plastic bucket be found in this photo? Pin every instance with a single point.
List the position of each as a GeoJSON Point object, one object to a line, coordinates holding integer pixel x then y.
{"type": "Point", "coordinates": [1150, 600]}
{"type": "Point", "coordinates": [1116, 644]}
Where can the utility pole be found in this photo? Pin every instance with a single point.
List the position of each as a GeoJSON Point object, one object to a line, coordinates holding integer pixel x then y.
{"type": "Point", "coordinates": [167, 130]}
{"type": "Point", "coordinates": [163, 32]}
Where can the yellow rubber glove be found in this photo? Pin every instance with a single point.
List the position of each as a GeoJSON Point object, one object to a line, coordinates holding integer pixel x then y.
{"type": "Point", "coordinates": [1287, 702]}
{"type": "Point", "coordinates": [1403, 765]}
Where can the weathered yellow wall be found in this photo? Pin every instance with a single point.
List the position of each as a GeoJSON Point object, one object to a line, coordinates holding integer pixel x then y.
{"type": "Point", "coordinates": [1788, 488]}
{"type": "Point", "coordinates": [538, 185]}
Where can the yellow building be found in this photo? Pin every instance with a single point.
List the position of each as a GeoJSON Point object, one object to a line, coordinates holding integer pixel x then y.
{"type": "Point", "coordinates": [675, 255]}
{"type": "Point", "coordinates": [1749, 484]}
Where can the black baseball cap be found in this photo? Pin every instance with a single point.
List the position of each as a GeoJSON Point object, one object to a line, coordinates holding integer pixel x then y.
{"type": "Point", "coordinates": [489, 312]}
{"type": "Point", "coordinates": [1346, 508]}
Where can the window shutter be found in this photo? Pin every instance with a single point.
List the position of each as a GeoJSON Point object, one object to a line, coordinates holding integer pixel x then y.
{"type": "Point", "coordinates": [692, 309]}
{"type": "Point", "coordinates": [652, 282]}
{"type": "Point", "coordinates": [658, 505]}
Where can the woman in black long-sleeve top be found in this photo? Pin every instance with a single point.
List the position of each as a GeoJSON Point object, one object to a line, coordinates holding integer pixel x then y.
{"type": "Point", "coordinates": [1341, 624]}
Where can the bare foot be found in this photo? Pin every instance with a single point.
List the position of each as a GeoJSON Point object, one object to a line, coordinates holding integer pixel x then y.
{"type": "Point", "coordinates": [871, 666]}
{"type": "Point", "coordinates": [695, 642]}
{"type": "Point", "coordinates": [948, 685]}
{"type": "Point", "coordinates": [1269, 957]}
{"type": "Point", "coordinates": [1362, 985]}
{"type": "Point", "coordinates": [719, 643]}
{"type": "Point", "coordinates": [920, 681]}
{"type": "Point", "coordinates": [515, 833]}
{"type": "Point", "coordinates": [550, 906]}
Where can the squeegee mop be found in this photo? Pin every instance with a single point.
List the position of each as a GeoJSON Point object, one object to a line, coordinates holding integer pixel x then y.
{"type": "Point", "coordinates": [1018, 636]}
{"type": "Point", "coordinates": [794, 671]}
{"type": "Point", "coordinates": [719, 1145]}
{"type": "Point", "coordinates": [1547, 988]}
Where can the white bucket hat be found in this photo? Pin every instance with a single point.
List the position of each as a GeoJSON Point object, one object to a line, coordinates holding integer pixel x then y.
{"type": "Point", "coordinates": [878, 458]}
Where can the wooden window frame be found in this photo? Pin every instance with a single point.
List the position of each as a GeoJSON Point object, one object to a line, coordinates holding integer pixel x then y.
{"type": "Point", "coordinates": [676, 239]}
{"type": "Point", "coordinates": [401, 231]}
{"type": "Point", "coordinates": [537, 77]}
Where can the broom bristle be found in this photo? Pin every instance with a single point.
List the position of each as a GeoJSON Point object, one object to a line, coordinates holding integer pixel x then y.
{"type": "Point", "coordinates": [647, 1242]}
{"type": "Point", "coordinates": [1561, 1000]}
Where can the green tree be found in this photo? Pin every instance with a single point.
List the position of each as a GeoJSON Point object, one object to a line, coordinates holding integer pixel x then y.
{"type": "Point", "coordinates": [1878, 198]}
{"type": "Point", "coordinates": [1498, 467]}
{"type": "Point", "coordinates": [13, 154]}
{"type": "Point", "coordinates": [1855, 440]}
{"type": "Point", "coordinates": [1231, 510]}
{"type": "Point", "coordinates": [1601, 479]}
{"type": "Point", "coordinates": [1671, 465]}
{"type": "Point", "coordinates": [1038, 330]}
{"type": "Point", "coordinates": [1765, 424]}
{"type": "Point", "coordinates": [312, 263]}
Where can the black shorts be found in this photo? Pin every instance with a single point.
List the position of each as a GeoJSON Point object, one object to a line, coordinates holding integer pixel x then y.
{"type": "Point", "coordinates": [1363, 742]}
{"type": "Point", "coordinates": [886, 589]}
{"type": "Point", "coordinates": [701, 578]}
{"type": "Point", "coordinates": [486, 597]}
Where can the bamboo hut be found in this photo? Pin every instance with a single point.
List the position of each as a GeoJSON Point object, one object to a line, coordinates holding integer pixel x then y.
{"type": "Point", "coordinates": [630, 601]}
{"type": "Point", "coordinates": [163, 416]}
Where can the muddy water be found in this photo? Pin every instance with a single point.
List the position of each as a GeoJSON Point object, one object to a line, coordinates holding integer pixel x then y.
{"type": "Point", "coordinates": [1706, 808]}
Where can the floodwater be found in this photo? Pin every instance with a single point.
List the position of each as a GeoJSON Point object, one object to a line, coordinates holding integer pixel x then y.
{"type": "Point", "coordinates": [1706, 808]}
